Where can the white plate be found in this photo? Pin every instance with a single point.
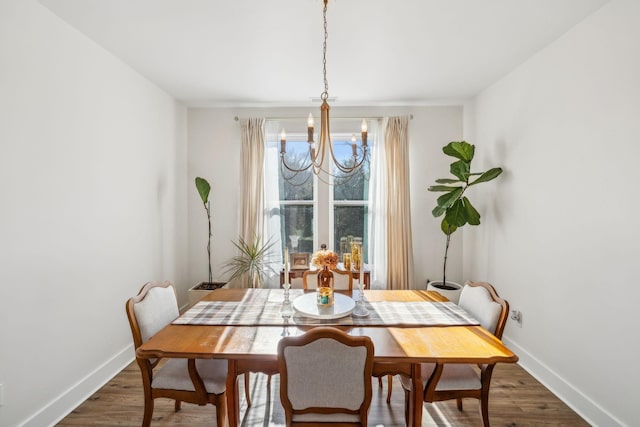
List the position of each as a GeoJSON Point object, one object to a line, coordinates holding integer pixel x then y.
{"type": "Point", "coordinates": [306, 305]}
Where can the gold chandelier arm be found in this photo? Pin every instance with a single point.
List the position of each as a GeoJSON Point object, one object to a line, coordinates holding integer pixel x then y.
{"type": "Point", "coordinates": [325, 140]}
{"type": "Point", "coordinates": [292, 168]}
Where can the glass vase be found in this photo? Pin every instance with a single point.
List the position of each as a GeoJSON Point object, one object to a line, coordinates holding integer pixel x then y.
{"type": "Point", "coordinates": [325, 287]}
{"type": "Point", "coordinates": [356, 256]}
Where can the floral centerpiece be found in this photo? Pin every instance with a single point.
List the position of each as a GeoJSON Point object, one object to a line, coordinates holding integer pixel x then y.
{"type": "Point", "coordinates": [325, 261]}
{"type": "Point", "coordinates": [325, 258]}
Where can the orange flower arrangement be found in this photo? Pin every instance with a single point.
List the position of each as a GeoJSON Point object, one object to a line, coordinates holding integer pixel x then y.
{"type": "Point", "coordinates": [325, 259]}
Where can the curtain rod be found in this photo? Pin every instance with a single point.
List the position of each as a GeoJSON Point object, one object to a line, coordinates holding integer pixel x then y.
{"type": "Point", "coordinates": [236, 118]}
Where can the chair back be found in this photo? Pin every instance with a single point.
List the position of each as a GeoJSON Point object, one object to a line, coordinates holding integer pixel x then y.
{"type": "Point", "coordinates": [481, 300]}
{"type": "Point", "coordinates": [342, 280]}
{"type": "Point", "coordinates": [152, 309]}
{"type": "Point", "coordinates": [325, 376]}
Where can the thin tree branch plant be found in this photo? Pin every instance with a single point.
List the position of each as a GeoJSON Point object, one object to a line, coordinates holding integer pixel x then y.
{"type": "Point", "coordinates": [252, 262]}
{"type": "Point", "coordinates": [454, 204]}
{"type": "Point", "coordinates": [203, 187]}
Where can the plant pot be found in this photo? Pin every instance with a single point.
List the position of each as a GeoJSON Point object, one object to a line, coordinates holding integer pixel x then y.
{"type": "Point", "coordinates": [203, 289]}
{"type": "Point", "coordinates": [450, 290]}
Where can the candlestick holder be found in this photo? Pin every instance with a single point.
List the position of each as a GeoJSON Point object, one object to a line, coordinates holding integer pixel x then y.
{"type": "Point", "coordinates": [360, 310]}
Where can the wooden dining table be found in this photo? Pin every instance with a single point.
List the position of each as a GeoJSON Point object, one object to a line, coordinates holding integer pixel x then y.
{"type": "Point", "coordinates": [399, 349]}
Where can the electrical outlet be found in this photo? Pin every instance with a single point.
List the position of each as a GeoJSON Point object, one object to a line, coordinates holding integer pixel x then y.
{"type": "Point", "coordinates": [517, 316]}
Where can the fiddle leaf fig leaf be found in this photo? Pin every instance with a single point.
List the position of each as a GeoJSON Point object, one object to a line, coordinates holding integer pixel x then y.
{"type": "Point", "coordinates": [492, 173]}
{"type": "Point", "coordinates": [447, 181]}
{"type": "Point", "coordinates": [456, 214]}
{"type": "Point", "coordinates": [473, 217]}
{"type": "Point", "coordinates": [441, 188]}
{"type": "Point", "coordinates": [460, 150]}
{"type": "Point", "coordinates": [446, 200]}
{"type": "Point", "coordinates": [203, 189]}
{"type": "Point", "coordinates": [437, 211]}
{"type": "Point", "coordinates": [461, 170]}
{"type": "Point", "coordinates": [447, 228]}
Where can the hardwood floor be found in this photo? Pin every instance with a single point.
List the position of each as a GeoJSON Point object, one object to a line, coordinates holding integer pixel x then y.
{"type": "Point", "coordinates": [517, 399]}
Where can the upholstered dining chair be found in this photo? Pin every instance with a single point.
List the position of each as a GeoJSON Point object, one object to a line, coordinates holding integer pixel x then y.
{"type": "Point", "coordinates": [325, 378]}
{"type": "Point", "coordinates": [192, 381]}
{"type": "Point", "coordinates": [342, 279]}
{"type": "Point", "coordinates": [457, 381]}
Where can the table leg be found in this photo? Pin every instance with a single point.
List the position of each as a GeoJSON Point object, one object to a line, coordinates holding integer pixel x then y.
{"type": "Point", "coordinates": [416, 394]}
{"type": "Point", "coordinates": [233, 397]}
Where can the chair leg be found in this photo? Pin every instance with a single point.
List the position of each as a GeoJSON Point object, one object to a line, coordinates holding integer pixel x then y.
{"type": "Point", "coordinates": [484, 410]}
{"type": "Point", "coordinates": [247, 390]}
{"type": "Point", "coordinates": [221, 410]}
{"type": "Point", "coordinates": [389, 387]}
{"type": "Point", "coordinates": [177, 405]}
{"type": "Point", "coordinates": [406, 406]}
{"type": "Point", "coordinates": [148, 410]}
{"type": "Point", "coordinates": [380, 382]}
{"type": "Point", "coordinates": [459, 403]}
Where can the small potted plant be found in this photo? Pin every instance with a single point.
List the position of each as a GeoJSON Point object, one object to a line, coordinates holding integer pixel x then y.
{"type": "Point", "coordinates": [252, 264]}
{"type": "Point", "coordinates": [454, 204]}
{"type": "Point", "coordinates": [203, 288]}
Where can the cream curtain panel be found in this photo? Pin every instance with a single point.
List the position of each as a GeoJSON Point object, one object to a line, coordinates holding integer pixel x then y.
{"type": "Point", "coordinates": [251, 179]}
{"type": "Point", "coordinates": [398, 207]}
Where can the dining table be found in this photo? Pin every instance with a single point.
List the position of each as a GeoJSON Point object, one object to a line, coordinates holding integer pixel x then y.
{"type": "Point", "coordinates": [407, 327]}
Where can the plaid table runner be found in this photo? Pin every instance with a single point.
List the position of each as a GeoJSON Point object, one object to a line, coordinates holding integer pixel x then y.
{"type": "Point", "coordinates": [262, 308]}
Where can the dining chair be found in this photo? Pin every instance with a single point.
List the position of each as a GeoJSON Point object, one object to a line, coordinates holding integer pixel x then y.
{"type": "Point", "coordinates": [342, 279]}
{"type": "Point", "coordinates": [457, 381]}
{"type": "Point", "coordinates": [184, 380]}
{"type": "Point", "coordinates": [325, 377]}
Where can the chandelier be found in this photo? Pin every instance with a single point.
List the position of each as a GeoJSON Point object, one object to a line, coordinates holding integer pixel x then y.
{"type": "Point", "coordinates": [320, 152]}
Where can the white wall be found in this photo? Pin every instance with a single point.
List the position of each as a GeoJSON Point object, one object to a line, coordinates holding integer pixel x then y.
{"type": "Point", "coordinates": [92, 205]}
{"type": "Point", "coordinates": [560, 232]}
{"type": "Point", "coordinates": [214, 153]}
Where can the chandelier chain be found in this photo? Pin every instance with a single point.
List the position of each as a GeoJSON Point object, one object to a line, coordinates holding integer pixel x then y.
{"type": "Point", "coordinates": [325, 94]}
{"type": "Point", "coordinates": [342, 170]}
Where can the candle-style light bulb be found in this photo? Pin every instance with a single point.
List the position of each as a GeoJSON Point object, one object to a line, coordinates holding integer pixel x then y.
{"type": "Point", "coordinates": [364, 133]}
{"type": "Point", "coordinates": [354, 149]}
{"type": "Point", "coordinates": [283, 142]}
{"type": "Point", "coordinates": [310, 128]}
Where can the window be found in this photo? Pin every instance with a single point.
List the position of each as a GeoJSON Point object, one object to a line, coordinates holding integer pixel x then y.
{"type": "Point", "coordinates": [325, 209]}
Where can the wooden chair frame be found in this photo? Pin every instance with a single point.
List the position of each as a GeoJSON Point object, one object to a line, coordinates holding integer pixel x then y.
{"type": "Point", "coordinates": [482, 394]}
{"type": "Point", "coordinates": [342, 337]}
{"type": "Point", "coordinates": [200, 396]}
{"type": "Point", "coordinates": [314, 273]}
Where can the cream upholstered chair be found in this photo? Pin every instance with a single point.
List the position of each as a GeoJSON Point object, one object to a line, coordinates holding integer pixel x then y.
{"type": "Point", "coordinates": [456, 381]}
{"type": "Point", "coordinates": [192, 381]}
{"type": "Point", "coordinates": [325, 377]}
{"type": "Point", "coordinates": [342, 280]}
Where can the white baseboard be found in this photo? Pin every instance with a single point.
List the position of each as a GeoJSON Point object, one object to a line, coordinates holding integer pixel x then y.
{"type": "Point", "coordinates": [592, 413]}
{"type": "Point", "coordinates": [60, 407]}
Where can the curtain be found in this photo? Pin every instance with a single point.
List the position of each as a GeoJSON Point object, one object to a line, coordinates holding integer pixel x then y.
{"type": "Point", "coordinates": [272, 197]}
{"type": "Point", "coordinates": [378, 212]}
{"type": "Point", "coordinates": [251, 179]}
{"type": "Point", "coordinates": [398, 209]}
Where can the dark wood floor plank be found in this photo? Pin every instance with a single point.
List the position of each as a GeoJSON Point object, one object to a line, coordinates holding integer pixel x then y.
{"type": "Point", "coordinates": [516, 399]}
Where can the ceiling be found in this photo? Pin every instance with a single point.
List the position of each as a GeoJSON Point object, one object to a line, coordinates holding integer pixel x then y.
{"type": "Point", "coordinates": [269, 52]}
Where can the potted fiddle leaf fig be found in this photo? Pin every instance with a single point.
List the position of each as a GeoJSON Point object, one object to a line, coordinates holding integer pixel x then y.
{"type": "Point", "coordinates": [203, 288]}
{"type": "Point", "coordinates": [455, 205]}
